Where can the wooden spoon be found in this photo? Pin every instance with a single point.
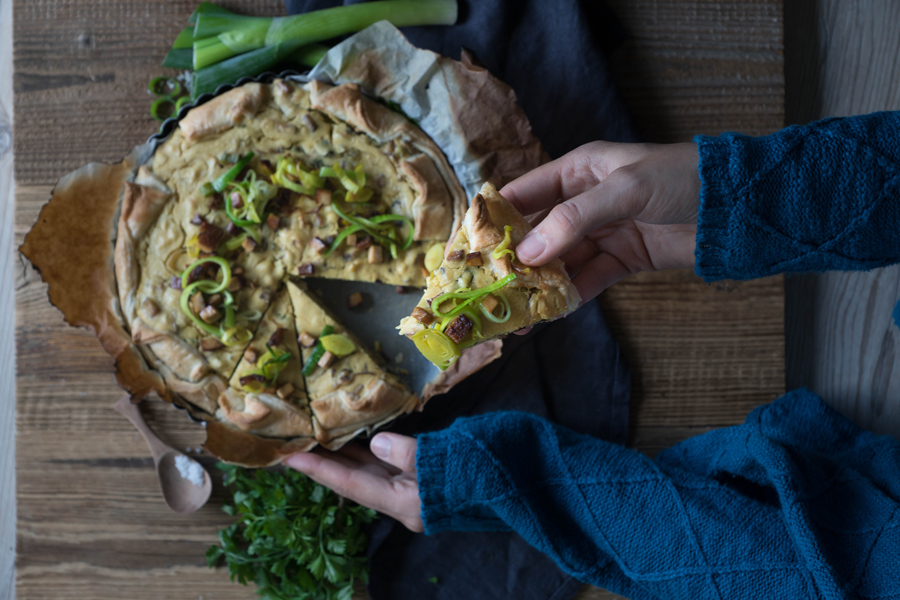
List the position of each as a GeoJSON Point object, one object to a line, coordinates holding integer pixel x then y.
{"type": "Point", "coordinates": [181, 495]}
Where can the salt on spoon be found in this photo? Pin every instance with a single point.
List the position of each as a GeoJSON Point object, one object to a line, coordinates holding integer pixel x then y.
{"type": "Point", "coordinates": [185, 484]}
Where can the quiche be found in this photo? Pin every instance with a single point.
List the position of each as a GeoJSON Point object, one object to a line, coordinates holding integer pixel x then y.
{"type": "Point", "coordinates": [186, 259]}
{"type": "Point", "coordinates": [480, 291]}
{"type": "Point", "coordinates": [261, 184]}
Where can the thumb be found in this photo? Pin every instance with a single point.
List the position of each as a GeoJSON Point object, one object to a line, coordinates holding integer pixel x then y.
{"type": "Point", "coordinates": [568, 223]}
{"type": "Point", "coordinates": [396, 450]}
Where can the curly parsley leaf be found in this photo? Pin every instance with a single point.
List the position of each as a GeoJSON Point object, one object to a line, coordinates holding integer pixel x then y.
{"type": "Point", "coordinates": [295, 539]}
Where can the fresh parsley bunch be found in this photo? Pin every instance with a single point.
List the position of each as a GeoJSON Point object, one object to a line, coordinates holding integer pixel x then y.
{"type": "Point", "coordinates": [294, 539]}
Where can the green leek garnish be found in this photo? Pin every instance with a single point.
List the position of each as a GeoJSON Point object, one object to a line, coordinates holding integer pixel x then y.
{"type": "Point", "coordinates": [503, 247]}
{"type": "Point", "coordinates": [337, 344]}
{"type": "Point", "coordinates": [269, 366]}
{"type": "Point", "coordinates": [227, 331]}
{"type": "Point", "coordinates": [310, 365]}
{"type": "Point", "coordinates": [378, 227]}
{"type": "Point", "coordinates": [310, 181]}
{"type": "Point", "coordinates": [436, 347]}
{"type": "Point", "coordinates": [468, 296]}
{"type": "Point", "coordinates": [236, 242]}
{"type": "Point", "coordinates": [222, 182]}
{"type": "Point", "coordinates": [507, 310]}
{"type": "Point", "coordinates": [255, 194]}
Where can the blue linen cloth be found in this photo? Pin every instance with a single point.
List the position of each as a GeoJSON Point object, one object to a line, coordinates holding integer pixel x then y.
{"type": "Point", "coordinates": [797, 502]}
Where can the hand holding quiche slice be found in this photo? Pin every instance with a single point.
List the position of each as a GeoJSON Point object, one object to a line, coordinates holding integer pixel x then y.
{"type": "Point", "coordinates": [481, 291]}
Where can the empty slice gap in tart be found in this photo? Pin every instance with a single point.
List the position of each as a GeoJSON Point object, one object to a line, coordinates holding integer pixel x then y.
{"type": "Point", "coordinates": [481, 291]}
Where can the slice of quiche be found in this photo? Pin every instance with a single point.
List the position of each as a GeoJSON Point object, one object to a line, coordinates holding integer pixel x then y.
{"type": "Point", "coordinates": [480, 291]}
{"type": "Point", "coordinates": [266, 394]}
{"type": "Point", "coordinates": [348, 389]}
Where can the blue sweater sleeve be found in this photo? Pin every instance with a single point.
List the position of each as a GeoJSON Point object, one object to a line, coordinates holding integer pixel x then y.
{"type": "Point", "coordinates": [795, 503]}
{"type": "Point", "coordinates": [824, 196]}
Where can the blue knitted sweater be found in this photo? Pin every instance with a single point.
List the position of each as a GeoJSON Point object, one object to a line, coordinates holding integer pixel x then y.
{"type": "Point", "coordinates": [797, 502]}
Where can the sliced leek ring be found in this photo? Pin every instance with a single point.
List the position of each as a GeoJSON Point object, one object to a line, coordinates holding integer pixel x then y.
{"type": "Point", "coordinates": [436, 347]}
{"type": "Point", "coordinates": [338, 344]}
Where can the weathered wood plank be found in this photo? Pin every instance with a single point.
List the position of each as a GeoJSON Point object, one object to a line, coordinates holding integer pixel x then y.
{"type": "Point", "coordinates": [7, 319]}
{"type": "Point", "coordinates": [81, 74]}
{"type": "Point", "coordinates": [841, 340]}
{"type": "Point", "coordinates": [701, 67]}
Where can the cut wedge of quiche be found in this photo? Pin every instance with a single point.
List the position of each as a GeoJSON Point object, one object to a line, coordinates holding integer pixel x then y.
{"type": "Point", "coordinates": [266, 393]}
{"type": "Point", "coordinates": [480, 291]}
{"type": "Point", "coordinates": [348, 390]}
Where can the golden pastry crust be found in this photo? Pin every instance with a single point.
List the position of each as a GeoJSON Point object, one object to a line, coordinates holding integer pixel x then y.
{"type": "Point", "coordinates": [536, 294]}
{"type": "Point", "coordinates": [265, 415]}
{"type": "Point", "coordinates": [224, 112]}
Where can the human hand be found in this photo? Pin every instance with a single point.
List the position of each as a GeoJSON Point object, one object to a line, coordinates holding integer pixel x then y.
{"type": "Point", "coordinates": [608, 210]}
{"type": "Point", "coordinates": [383, 479]}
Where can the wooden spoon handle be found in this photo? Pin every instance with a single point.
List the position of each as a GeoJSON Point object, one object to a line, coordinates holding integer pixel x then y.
{"type": "Point", "coordinates": [128, 409]}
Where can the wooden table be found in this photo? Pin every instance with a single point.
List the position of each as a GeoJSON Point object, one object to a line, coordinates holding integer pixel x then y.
{"type": "Point", "coordinates": [91, 523]}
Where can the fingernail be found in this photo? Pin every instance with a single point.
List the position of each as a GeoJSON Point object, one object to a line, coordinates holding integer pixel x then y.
{"type": "Point", "coordinates": [531, 247]}
{"type": "Point", "coordinates": [300, 461]}
{"type": "Point", "coordinates": [381, 446]}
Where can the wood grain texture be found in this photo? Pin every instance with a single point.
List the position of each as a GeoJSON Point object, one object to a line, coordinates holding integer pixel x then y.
{"type": "Point", "coordinates": [841, 340]}
{"type": "Point", "coordinates": [701, 67]}
{"type": "Point", "coordinates": [7, 319]}
{"type": "Point", "coordinates": [81, 83]}
{"type": "Point", "coordinates": [91, 522]}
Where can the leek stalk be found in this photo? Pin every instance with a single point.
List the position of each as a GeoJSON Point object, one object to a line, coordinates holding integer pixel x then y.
{"type": "Point", "coordinates": [230, 34]}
